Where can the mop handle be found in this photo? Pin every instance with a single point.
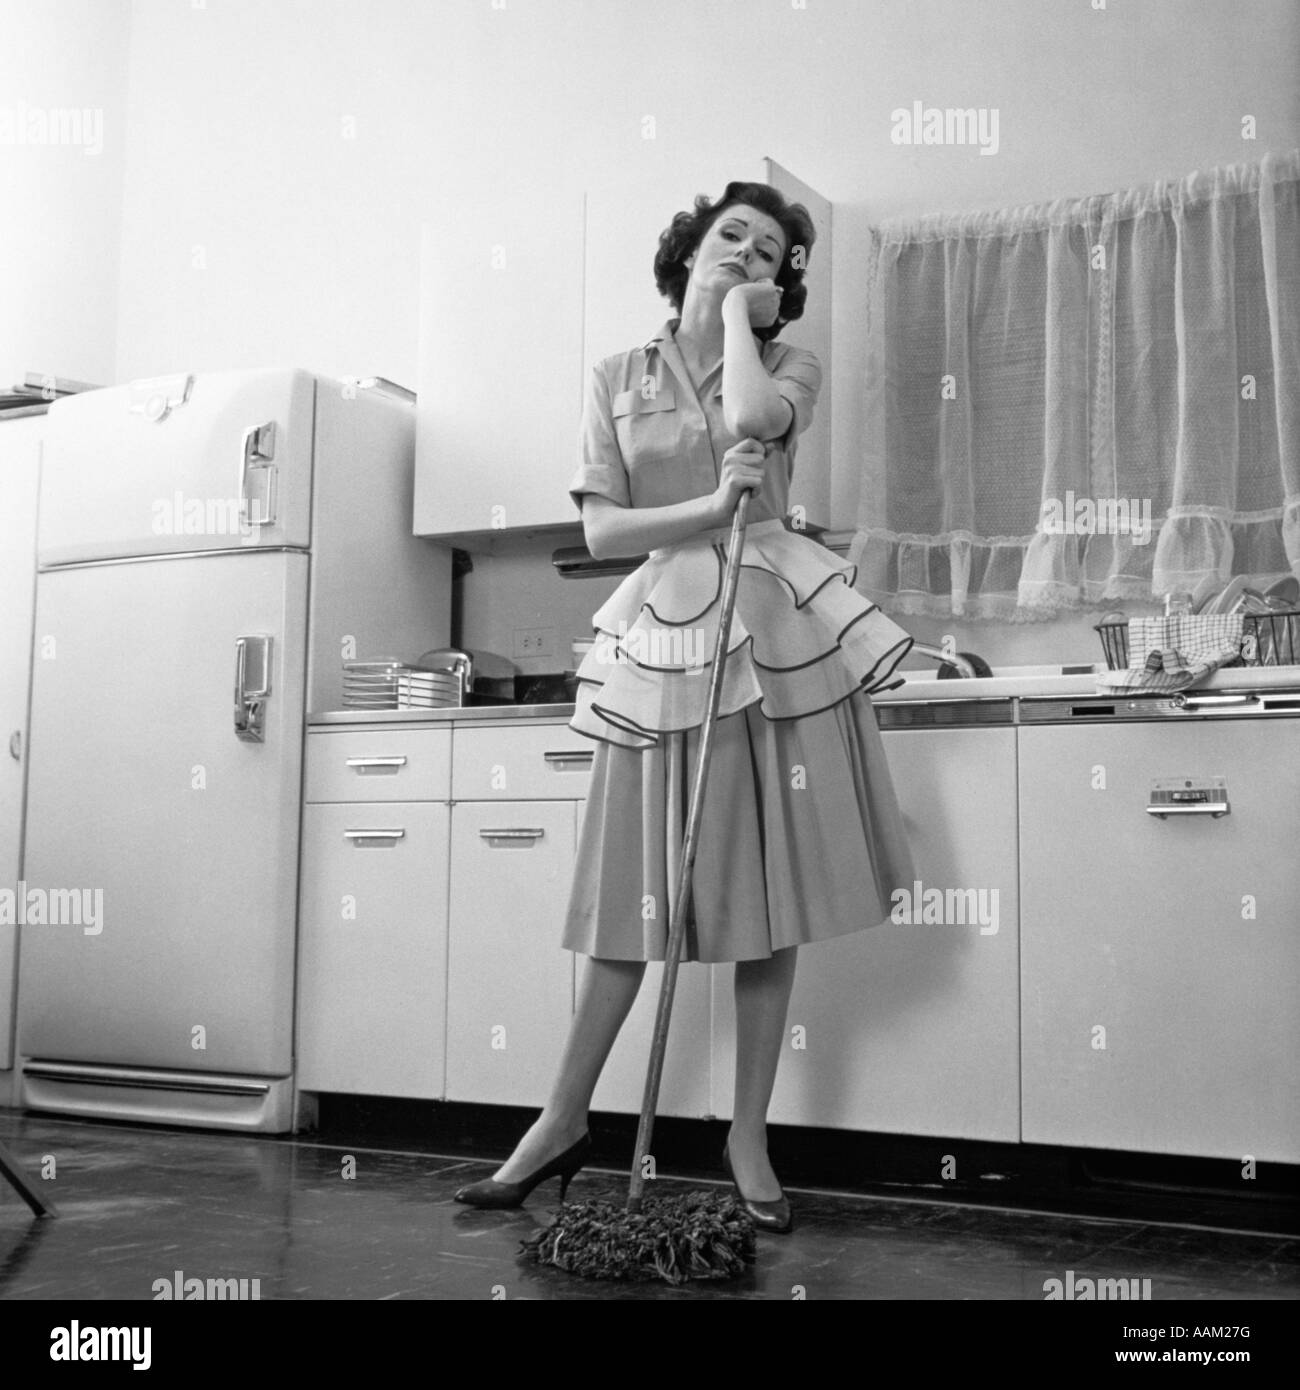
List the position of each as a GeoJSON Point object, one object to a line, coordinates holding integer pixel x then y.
{"type": "Point", "coordinates": [677, 920]}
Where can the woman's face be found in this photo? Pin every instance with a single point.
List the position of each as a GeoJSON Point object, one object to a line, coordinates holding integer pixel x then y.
{"type": "Point", "coordinates": [742, 244]}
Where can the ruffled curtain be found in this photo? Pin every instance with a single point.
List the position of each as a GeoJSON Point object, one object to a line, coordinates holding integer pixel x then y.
{"type": "Point", "coordinates": [1047, 382]}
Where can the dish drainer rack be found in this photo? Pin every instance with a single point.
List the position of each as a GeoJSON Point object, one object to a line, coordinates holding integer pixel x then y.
{"type": "Point", "coordinates": [1268, 639]}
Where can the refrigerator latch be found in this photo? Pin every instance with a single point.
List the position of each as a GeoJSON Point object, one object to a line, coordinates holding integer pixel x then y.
{"type": "Point", "coordinates": [255, 456]}
{"type": "Point", "coordinates": [252, 686]}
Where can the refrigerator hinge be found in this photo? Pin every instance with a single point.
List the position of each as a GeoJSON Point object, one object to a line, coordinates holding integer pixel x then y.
{"type": "Point", "coordinates": [156, 397]}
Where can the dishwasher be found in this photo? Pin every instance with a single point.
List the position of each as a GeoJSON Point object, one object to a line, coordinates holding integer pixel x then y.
{"type": "Point", "coordinates": [1160, 921]}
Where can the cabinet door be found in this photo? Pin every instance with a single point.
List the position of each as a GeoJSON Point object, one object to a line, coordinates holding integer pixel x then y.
{"type": "Point", "coordinates": [684, 1088]}
{"type": "Point", "coordinates": [1160, 958]}
{"type": "Point", "coordinates": [372, 949]}
{"type": "Point", "coordinates": [913, 1028]}
{"type": "Point", "coordinates": [509, 982]}
{"type": "Point", "coordinates": [19, 472]}
{"type": "Point", "coordinates": [500, 390]}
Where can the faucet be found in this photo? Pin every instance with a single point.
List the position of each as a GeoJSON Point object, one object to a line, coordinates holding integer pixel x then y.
{"type": "Point", "coordinates": [959, 662]}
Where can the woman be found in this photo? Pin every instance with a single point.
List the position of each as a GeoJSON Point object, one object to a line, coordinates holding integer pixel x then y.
{"type": "Point", "coordinates": [800, 838]}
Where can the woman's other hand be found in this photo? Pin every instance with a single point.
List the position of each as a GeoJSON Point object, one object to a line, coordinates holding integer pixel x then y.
{"type": "Point", "coordinates": [743, 466]}
{"type": "Point", "coordinates": [761, 298]}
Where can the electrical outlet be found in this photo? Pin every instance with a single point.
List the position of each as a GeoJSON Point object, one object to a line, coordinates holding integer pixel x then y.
{"type": "Point", "coordinates": [534, 642]}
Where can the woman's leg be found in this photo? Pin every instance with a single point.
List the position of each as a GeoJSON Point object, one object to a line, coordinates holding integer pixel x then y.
{"type": "Point", "coordinates": [762, 991]}
{"type": "Point", "coordinates": [609, 989]}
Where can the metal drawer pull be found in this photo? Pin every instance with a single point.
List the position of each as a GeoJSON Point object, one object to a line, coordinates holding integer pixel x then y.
{"type": "Point", "coordinates": [512, 834]}
{"type": "Point", "coordinates": [374, 834]}
{"type": "Point", "coordinates": [1180, 796]}
{"type": "Point", "coordinates": [1184, 701]}
{"type": "Point", "coordinates": [376, 762]}
{"type": "Point", "coordinates": [570, 755]}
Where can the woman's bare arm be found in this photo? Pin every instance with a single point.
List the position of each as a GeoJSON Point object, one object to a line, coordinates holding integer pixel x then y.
{"type": "Point", "coordinates": [752, 403]}
{"type": "Point", "coordinates": [613, 531]}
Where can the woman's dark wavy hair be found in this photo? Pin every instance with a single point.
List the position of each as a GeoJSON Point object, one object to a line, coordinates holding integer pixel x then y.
{"type": "Point", "coordinates": [682, 237]}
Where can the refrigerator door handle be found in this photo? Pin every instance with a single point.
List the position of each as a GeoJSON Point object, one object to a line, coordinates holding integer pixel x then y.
{"type": "Point", "coordinates": [252, 686]}
{"type": "Point", "coordinates": [256, 452]}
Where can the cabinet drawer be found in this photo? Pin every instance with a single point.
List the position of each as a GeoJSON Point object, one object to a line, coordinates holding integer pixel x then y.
{"type": "Point", "coordinates": [517, 763]}
{"type": "Point", "coordinates": [379, 765]}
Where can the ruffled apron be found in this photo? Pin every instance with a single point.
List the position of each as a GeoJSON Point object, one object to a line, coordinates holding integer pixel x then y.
{"type": "Point", "coordinates": [802, 638]}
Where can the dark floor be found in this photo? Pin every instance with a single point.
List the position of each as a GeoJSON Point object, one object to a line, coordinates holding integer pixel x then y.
{"type": "Point", "coordinates": [138, 1204]}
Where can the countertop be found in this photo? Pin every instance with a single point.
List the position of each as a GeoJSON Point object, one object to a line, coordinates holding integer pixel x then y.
{"type": "Point", "coordinates": [455, 714]}
{"type": "Point", "coordinates": [1006, 683]}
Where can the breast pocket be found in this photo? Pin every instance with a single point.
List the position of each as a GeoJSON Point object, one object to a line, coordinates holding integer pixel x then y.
{"type": "Point", "coordinates": [648, 428]}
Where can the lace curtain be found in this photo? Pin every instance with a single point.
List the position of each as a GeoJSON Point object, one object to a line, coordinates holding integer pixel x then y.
{"type": "Point", "coordinates": [1084, 401]}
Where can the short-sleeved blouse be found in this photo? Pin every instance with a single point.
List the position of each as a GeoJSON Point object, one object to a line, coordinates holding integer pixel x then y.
{"type": "Point", "coordinates": [649, 439]}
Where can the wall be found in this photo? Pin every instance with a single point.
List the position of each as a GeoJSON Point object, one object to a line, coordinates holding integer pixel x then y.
{"type": "Point", "coordinates": [61, 185]}
{"type": "Point", "coordinates": [281, 156]}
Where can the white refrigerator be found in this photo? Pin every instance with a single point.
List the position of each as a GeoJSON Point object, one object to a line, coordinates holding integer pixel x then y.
{"type": "Point", "coordinates": [211, 549]}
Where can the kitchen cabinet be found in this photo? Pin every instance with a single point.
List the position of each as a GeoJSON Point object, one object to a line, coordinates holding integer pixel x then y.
{"type": "Point", "coordinates": [509, 984]}
{"type": "Point", "coordinates": [913, 1029]}
{"type": "Point", "coordinates": [376, 860]}
{"type": "Point", "coordinates": [1063, 908]}
{"type": "Point", "coordinates": [500, 387]}
{"type": "Point", "coordinates": [1160, 959]}
{"type": "Point", "coordinates": [20, 445]}
{"type": "Point", "coordinates": [685, 1088]}
{"type": "Point", "coordinates": [507, 975]}
{"type": "Point", "coordinates": [372, 974]}
{"type": "Point", "coordinates": [516, 306]}
{"type": "Point", "coordinates": [518, 792]}
{"type": "Point", "coordinates": [430, 963]}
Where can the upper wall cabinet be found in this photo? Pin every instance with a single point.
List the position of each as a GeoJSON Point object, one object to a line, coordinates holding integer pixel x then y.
{"type": "Point", "coordinates": [500, 385]}
{"type": "Point", "coordinates": [519, 300]}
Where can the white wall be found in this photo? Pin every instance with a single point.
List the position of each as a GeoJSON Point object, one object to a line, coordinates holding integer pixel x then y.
{"type": "Point", "coordinates": [61, 203]}
{"type": "Point", "coordinates": [281, 155]}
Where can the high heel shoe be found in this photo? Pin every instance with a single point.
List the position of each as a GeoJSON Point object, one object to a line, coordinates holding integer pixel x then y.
{"type": "Point", "coordinates": [490, 1193]}
{"type": "Point", "coordinates": [775, 1217]}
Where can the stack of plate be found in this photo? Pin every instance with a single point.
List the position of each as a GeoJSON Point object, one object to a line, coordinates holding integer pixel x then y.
{"type": "Point", "coordinates": [393, 685]}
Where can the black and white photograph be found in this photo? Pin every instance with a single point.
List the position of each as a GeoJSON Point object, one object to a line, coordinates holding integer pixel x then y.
{"type": "Point", "coordinates": [649, 653]}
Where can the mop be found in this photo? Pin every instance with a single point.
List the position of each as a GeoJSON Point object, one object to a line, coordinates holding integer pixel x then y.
{"type": "Point", "coordinates": [696, 1235]}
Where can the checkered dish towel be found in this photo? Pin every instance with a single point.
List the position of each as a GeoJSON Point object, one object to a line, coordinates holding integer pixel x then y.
{"type": "Point", "coordinates": [1174, 653]}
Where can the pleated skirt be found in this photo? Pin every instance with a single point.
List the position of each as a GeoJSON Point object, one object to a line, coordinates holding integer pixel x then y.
{"type": "Point", "coordinates": [801, 839]}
